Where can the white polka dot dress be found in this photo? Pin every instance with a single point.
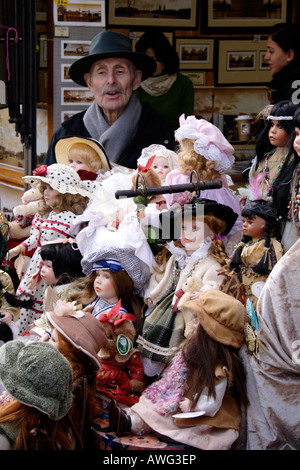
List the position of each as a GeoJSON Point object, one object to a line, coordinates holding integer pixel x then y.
{"type": "Point", "coordinates": [48, 228]}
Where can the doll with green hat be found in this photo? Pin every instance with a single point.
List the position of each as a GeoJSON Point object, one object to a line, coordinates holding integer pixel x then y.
{"type": "Point", "coordinates": [39, 380]}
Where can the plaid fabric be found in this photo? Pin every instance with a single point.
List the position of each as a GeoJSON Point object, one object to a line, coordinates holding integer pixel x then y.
{"type": "Point", "coordinates": [163, 331]}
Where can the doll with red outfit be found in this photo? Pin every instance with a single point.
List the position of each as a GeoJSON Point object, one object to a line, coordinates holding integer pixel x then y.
{"type": "Point", "coordinates": [122, 373]}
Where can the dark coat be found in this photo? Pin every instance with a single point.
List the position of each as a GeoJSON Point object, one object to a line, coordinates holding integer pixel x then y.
{"type": "Point", "coordinates": [153, 129]}
{"type": "Point", "coordinates": [285, 84]}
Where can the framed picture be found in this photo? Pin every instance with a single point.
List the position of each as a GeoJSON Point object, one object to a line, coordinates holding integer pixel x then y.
{"type": "Point", "coordinates": [76, 96]}
{"type": "Point", "coordinates": [242, 62]}
{"type": "Point", "coordinates": [135, 36]}
{"type": "Point", "coordinates": [195, 53]}
{"type": "Point", "coordinates": [198, 78]}
{"type": "Point", "coordinates": [162, 13]}
{"type": "Point", "coordinates": [74, 49]}
{"type": "Point", "coordinates": [65, 77]}
{"type": "Point", "coordinates": [79, 13]}
{"type": "Point", "coordinates": [243, 14]}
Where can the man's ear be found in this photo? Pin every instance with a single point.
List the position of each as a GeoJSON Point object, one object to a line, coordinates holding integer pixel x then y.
{"type": "Point", "coordinates": [291, 55]}
{"type": "Point", "coordinates": [86, 76]}
{"type": "Point", "coordinates": [137, 79]}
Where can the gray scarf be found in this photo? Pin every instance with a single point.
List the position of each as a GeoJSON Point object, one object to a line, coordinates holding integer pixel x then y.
{"type": "Point", "coordinates": [114, 138]}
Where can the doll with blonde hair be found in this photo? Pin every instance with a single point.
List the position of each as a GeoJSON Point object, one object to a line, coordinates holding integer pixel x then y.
{"type": "Point", "coordinates": [64, 197]}
{"type": "Point", "coordinates": [87, 156]}
{"type": "Point", "coordinates": [204, 150]}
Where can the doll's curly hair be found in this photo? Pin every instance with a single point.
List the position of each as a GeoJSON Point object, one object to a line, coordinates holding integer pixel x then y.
{"type": "Point", "coordinates": [75, 203]}
{"type": "Point", "coordinates": [189, 160]}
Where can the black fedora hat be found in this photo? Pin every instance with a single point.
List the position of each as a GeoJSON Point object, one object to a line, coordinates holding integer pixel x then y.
{"type": "Point", "coordinates": [110, 44]}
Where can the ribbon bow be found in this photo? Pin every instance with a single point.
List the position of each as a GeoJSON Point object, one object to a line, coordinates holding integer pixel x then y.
{"type": "Point", "coordinates": [113, 316]}
{"type": "Point", "coordinates": [148, 164]}
{"type": "Point", "coordinates": [67, 309]}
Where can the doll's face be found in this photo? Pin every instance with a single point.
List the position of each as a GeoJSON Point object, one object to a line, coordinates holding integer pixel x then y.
{"type": "Point", "coordinates": [297, 141]}
{"type": "Point", "coordinates": [161, 166]}
{"type": "Point", "coordinates": [47, 273]}
{"type": "Point", "coordinates": [255, 227]}
{"type": "Point", "coordinates": [193, 232]}
{"type": "Point", "coordinates": [77, 164]}
{"type": "Point", "coordinates": [104, 287]}
{"type": "Point", "coordinates": [50, 195]}
{"type": "Point", "coordinates": [277, 135]}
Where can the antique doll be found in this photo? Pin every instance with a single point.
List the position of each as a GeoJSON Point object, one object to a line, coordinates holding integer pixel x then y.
{"type": "Point", "coordinates": [64, 196]}
{"type": "Point", "coordinates": [197, 400]}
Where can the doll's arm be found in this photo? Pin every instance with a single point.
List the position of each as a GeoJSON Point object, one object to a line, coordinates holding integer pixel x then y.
{"type": "Point", "coordinates": [206, 403]}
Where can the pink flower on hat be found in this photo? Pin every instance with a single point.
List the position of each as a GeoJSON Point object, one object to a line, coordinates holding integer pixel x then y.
{"type": "Point", "coordinates": [208, 141]}
{"type": "Point", "coordinates": [40, 171]}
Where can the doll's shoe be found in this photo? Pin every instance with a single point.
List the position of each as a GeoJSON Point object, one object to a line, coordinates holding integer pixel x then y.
{"type": "Point", "coordinates": [119, 420]}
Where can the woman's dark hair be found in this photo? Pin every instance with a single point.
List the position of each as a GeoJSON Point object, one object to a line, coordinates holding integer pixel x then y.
{"type": "Point", "coordinates": [263, 144]}
{"type": "Point", "coordinates": [250, 211]}
{"type": "Point", "coordinates": [66, 260]}
{"type": "Point", "coordinates": [287, 36]}
{"type": "Point", "coordinates": [281, 188]}
{"type": "Point", "coordinates": [164, 51]}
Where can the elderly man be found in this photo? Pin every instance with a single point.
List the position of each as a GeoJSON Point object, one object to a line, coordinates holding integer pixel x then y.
{"type": "Point", "coordinates": [116, 118]}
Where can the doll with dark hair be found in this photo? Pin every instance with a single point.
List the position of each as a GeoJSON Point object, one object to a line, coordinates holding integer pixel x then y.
{"type": "Point", "coordinates": [286, 190]}
{"type": "Point", "coordinates": [257, 253]}
{"type": "Point", "coordinates": [60, 266]}
{"type": "Point", "coordinates": [272, 148]}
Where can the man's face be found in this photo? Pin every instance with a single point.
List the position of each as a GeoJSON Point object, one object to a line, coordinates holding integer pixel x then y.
{"type": "Point", "coordinates": [112, 81]}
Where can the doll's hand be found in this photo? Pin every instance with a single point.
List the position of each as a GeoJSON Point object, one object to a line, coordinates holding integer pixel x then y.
{"type": "Point", "coordinates": [149, 302]}
{"type": "Point", "coordinates": [185, 405]}
{"type": "Point", "coordinates": [32, 283]}
{"type": "Point", "coordinates": [6, 316]}
{"type": "Point", "coordinates": [14, 252]}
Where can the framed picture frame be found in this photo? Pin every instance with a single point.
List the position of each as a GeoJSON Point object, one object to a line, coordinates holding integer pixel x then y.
{"type": "Point", "coordinates": [220, 16]}
{"type": "Point", "coordinates": [71, 49]}
{"type": "Point", "coordinates": [79, 13]}
{"type": "Point", "coordinates": [241, 62]}
{"type": "Point", "coordinates": [176, 14]}
{"type": "Point", "coordinates": [195, 53]}
{"type": "Point", "coordinates": [76, 96]}
{"type": "Point", "coordinates": [198, 78]}
{"type": "Point", "coordinates": [65, 77]}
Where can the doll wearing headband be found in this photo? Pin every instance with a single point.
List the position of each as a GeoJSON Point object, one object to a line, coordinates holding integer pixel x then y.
{"type": "Point", "coordinates": [198, 398]}
{"type": "Point", "coordinates": [64, 196]}
{"type": "Point", "coordinates": [203, 149]}
{"type": "Point", "coordinates": [271, 149]}
{"type": "Point", "coordinates": [257, 253]}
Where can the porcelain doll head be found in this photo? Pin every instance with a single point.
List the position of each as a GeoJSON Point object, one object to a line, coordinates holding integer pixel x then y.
{"type": "Point", "coordinates": [203, 148]}
{"type": "Point", "coordinates": [259, 219]}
